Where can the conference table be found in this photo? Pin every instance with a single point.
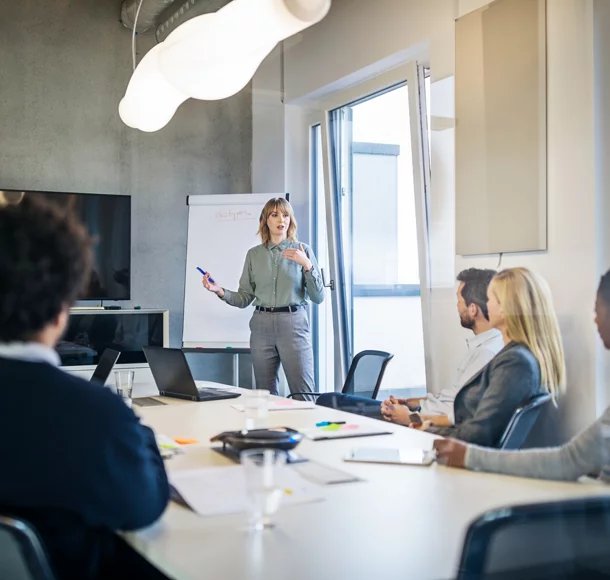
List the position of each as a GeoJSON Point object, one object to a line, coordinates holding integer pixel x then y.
{"type": "Point", "coordinates": [397, 522]}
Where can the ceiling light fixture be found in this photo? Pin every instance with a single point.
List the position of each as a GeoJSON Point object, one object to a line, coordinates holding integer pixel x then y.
{"type": "Point", "coordinates": [212, 56]}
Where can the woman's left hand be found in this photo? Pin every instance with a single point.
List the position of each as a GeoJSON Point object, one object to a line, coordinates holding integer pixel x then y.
{"type": "Point", "coordinates": [298, 256]}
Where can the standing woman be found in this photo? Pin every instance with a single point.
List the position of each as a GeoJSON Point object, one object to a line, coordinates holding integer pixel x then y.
{"type": "Point", "coordinates": [279, 275]}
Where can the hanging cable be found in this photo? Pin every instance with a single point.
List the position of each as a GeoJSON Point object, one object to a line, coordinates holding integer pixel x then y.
{"type": "Point", "coordinates": [499, 261]}
{"type": "Point", "coordinates": [133, 36]}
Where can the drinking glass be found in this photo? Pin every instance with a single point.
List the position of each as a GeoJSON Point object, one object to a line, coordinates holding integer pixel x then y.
{"type": "Point", "coordinates": [256, 408]}
{"type": "Point", "coordinates": [124, 385]}
{"type": "Point", "coordinates": [263, 471]}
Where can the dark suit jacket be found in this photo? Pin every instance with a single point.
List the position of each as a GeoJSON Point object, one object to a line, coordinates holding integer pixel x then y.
{"type": "Point", "coordinates": [484, 406]}
{"type": "Point", "coordinates": [77, 464]}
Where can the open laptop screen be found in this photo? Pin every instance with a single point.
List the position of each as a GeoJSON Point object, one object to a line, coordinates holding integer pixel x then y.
{"type": "Point", "coordinates": [105, 366]}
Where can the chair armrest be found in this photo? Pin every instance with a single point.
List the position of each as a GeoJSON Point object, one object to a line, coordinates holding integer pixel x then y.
{"type": "Point", "coordinates": [309, 393]}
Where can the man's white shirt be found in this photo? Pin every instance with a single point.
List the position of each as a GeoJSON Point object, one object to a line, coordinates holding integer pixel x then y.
{"type": "Point", "coordinates": [481, 349]}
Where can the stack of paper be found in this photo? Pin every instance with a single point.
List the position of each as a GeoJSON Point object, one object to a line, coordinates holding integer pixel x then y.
{"type": "Point", "coordinates": [215, 491]}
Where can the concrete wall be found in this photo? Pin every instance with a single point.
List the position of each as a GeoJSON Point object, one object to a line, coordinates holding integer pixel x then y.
{"type": "Point", "coordinates": [65, 66]}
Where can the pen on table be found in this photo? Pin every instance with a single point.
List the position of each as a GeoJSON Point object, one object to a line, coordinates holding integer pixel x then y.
{"type": "Point", "coordinates": [327, 423]}
{"type": "Point", "coordinates": [205, 273]}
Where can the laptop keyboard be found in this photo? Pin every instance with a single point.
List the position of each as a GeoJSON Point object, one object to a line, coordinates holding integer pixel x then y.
{"type": "Point", "coordinates": [207, 392]}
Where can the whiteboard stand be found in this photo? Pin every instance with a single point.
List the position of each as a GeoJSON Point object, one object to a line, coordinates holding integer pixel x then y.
{"type": "Point", "coordinates": [236, 370]}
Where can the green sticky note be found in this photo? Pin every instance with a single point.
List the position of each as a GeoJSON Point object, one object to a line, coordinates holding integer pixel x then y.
{"type": "Point", "coordinates": [332, 427]}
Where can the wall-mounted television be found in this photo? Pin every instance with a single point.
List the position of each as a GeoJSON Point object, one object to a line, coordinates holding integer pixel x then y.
{"type": "Point", "coordinates": [108, 220]}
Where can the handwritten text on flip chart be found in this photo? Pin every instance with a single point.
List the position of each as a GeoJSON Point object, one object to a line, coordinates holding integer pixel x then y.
{"type": "Point", "coordinates": [234, 215]}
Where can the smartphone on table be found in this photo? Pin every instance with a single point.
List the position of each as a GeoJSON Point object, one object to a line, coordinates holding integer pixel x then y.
{"type": "Point", "coordinates": [415, 418]}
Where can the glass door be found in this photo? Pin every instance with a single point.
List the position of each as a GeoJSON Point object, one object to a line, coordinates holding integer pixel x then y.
{"type": "Point", "coordinates": [377, 150]}
{"type": "Point", "coordinates": [322, 331]}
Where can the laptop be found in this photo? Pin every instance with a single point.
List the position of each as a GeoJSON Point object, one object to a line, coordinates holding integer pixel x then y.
{"type": "Point", "coordinates": [174, 379]}
{"type": "Point", "coordinates": [104, 367]}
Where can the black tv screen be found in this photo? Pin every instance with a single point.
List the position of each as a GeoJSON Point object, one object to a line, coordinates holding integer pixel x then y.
{"type": "Point", "coordinates": [108, 220]}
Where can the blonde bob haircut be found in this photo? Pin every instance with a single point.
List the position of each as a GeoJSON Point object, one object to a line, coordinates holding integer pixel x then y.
{"type": "Point", "coordinates": [530, 318]}
{"type": "Point", "coordinates": [280, 205]}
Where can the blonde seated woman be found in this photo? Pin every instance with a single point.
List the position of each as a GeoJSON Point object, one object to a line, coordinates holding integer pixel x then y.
{"type": "Point", "coordinates": [520, 307]}
{"type": "Point", "coordinates": [586, 454]}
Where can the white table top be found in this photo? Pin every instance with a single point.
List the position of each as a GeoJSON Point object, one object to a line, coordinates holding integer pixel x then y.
{"type": "Point", "coordinates": [400, 522]}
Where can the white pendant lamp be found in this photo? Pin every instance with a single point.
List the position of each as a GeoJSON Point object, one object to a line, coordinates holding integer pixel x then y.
{"type": "Point", "coordinates": [237, 39]}
{"type": "Point", "coordinates": [212, 56]}
{"type": "Point", "coordinates": [150, 101]}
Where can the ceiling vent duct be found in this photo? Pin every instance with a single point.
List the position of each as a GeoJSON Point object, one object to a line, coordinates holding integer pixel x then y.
{"type": "Point", "coordinates": [148, 17]}
{"type": "Point", "coordinates": [181, 11]}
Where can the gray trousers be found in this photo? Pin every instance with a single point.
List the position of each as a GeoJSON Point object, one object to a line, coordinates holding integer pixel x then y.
{"type": "Point", "coordinates": [282, 337]}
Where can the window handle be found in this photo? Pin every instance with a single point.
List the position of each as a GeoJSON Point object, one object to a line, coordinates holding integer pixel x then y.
{"type": "Point", "coordinates": [331, 283]}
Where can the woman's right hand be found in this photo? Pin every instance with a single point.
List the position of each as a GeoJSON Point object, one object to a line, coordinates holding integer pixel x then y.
{"type": "Point", "coordinates": [212, 286]}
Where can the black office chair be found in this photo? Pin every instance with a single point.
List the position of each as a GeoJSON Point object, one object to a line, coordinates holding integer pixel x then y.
{"type": "Point", "coordinates": [560, 540]}
{"type": "Point", "coordinates": [22, 556]}
{"type": "Point", "coordinates": [364, 376]}
{"type": "Point", "coordinates": [522, 421]}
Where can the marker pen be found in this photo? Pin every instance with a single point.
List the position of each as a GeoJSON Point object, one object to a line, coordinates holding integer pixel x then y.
{"type": "Point", "coordinates": [204, 273]}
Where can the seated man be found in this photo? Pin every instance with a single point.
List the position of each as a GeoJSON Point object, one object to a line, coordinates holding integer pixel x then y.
{"type": "Point", "coordinates": [76, 463]}
{"type": "Point", "coordinates": [482, 347]}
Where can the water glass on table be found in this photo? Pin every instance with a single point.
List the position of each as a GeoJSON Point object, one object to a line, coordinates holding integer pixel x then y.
{"type": "Point", "coordinates": [124, 385]}
{"type": "Point", "coordinates": [263, 471]}
{"type": "Point", "coordinates": [256, 409]}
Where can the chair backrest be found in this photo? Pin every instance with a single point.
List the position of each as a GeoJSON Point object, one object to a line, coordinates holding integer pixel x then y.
{"type": "Point", "coordinates": [522, 421]}
{"type": "Point", "coordinates": [366, 373]}
{"type": "Point", "coordinates": [565, 539]}
{"type": "Point", "coordinates": [22, 556]}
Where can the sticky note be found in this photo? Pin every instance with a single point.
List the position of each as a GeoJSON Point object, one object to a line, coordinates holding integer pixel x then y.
{"type": "Point", "coordinates": [185, 441]}
{"type": "Point", "coordinates": [331, 427]}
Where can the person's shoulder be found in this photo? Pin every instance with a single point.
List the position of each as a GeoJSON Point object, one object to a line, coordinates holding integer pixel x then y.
{"type": "Point", "coordinates": [517, 353]}
{"type": "Point", "coordinates": [494, 342]}
{"type": "Point", "coordinates": [41, 374]}
{"type": "Point", "coordinates": [254, 251]}
{"type": "Point", "coordinates": [93, 401]}
{"type": "Point", "coordinates": [604, 418]}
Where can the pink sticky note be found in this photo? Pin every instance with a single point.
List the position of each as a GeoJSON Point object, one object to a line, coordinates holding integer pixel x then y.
{"type": "Point", "coordinates": [350, 427]}
{"type": "Point", "coordinates": [284, 403]}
